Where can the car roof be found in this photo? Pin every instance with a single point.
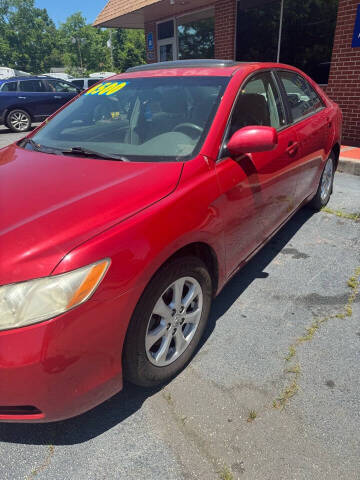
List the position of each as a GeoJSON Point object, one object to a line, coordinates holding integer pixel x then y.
{"type": "Point", "coordinates": [27, 77]}
{"type": "Point", "coordinates": [32, 77]}
{"type": "Point", "coordinates": [223, 68]}
{"type": "Point", "coordinates": [86, 78]}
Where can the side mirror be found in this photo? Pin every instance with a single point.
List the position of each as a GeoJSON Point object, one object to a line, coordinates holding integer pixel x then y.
{"type": "Point", "coordinates": [252, 139]}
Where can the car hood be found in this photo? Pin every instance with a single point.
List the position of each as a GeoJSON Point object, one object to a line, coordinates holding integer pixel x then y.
{"type": "Point", "coordinates": [49, 204]}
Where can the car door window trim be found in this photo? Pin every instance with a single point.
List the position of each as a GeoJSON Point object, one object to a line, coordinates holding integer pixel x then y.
{"type": "Point", "coordinates": [285, 99]}
{"type": "Point", "coordinates": [222, 149]}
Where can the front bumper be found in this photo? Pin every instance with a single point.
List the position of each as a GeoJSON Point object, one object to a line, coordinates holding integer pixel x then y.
{"type": "Point", "coordinates": [64, 366]}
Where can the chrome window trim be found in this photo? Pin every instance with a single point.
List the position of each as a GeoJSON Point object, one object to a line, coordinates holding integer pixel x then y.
{"type": "Point", "coordinates": [247, 79]}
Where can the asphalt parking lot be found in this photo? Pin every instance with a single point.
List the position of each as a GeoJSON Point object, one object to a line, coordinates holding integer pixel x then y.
{"type": "Point", "coordinates": [273, 392]}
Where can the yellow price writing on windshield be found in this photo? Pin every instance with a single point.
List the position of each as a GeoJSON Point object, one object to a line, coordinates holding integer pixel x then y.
{"type": "Point", "coordinates": [107, 88]}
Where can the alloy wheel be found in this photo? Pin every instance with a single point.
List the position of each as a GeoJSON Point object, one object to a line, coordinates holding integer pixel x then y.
{"type": "Point", "coordinates": [19, 121]}
{"type": "Point", "coordinates": [326, 180]}
{"type": "Point", "coordinates": [174, 321]}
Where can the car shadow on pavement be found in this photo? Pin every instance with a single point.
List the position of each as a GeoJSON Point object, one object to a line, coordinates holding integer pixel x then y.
{"type": "Point", "coordinates": [112, 412]}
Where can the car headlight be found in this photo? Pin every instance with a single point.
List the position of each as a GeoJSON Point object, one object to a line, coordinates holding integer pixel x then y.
{"type": "Point", "coordinates": [43, 298]}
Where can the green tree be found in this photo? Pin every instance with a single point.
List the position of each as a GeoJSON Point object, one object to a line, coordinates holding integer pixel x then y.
{"type": "Point", "coordinates": [85, 46]}
{"type": "Point", "coordinates": [28, 36]}
{"type": "Point", "coordinates": [128, 48]}
{"type": "Point", "coordinates": [30, 41]}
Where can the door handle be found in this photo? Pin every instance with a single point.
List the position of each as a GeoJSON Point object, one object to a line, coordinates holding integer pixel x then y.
{"type": "Point", "coordinates": [22, 98]}
{"type": "Point", "coordinates": [58, 97]}
{"type": "Point", "coordinates": [292, 148]}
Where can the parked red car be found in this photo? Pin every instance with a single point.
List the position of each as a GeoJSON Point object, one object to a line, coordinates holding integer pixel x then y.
{"type": "Point", "coordinates": [125, 213]}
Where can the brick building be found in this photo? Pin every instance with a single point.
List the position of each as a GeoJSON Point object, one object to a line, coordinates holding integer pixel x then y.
{"type": "Point", "coordinates": [322, 37]}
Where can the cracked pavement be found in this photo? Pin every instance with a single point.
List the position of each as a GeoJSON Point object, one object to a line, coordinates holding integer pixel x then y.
{"type": "Point", "coordinates": [198, 423]}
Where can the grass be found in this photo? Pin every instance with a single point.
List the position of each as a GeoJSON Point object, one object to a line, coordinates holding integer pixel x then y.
{"type": "Point", "coordinates": [225, 474]}
{"type": "Point", "coordinates": [288, 393]}
{"type": "Point", "coordinates": [44, 465]}
{"type": "Point", "coordinates": [168, 397]}
{"type": "Point", "coordinates": [295, 369]}
{"type": "Point", "coordinates": [291, 354]}
{"type": "Point", "coordinates": [341, 214]}
{"type": "Point", "coordinates": [252, 416]}
{"type": "Point", "coordinates": [292, 388]}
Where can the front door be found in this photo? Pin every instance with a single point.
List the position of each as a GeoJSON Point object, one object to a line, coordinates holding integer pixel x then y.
{"type": "Point", "coordinates": [257, 189]}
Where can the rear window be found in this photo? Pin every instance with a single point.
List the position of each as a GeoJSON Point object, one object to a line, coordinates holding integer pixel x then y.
{"type": "Point", "coordinates": [302, 98]}
{"type": "Point", "coordinates": [92, 81]}
{"type": "Point", "coordinates": [78, 83]}
{"type": "Point", "coordinates": [60, 86]}
{"type": "Point", "coordinates": [9, 87]}
{"type": "Point", "coordinates": [142, 119]}
{"type": "Point", "coordinates": [31, 86]}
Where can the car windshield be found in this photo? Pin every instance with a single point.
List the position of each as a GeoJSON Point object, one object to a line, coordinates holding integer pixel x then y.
{"type": "Point", "coordinates": [140, 119]}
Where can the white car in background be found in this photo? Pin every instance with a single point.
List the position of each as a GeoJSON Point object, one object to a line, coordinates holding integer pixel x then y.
{"type": "Point", "coordinates": [62, 76]}
{"type": "Point", "coordinates": [6, 72]}
{"type": "Point", "coordinates": [85, 83]}
{"type": "Point", "coordinates": [102, 74]}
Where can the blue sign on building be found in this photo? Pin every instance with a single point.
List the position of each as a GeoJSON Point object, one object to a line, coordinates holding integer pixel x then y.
{"type": "Point", "coordinates": [150, 41]}
{"type": "Point", "coordinates": [356, 36]}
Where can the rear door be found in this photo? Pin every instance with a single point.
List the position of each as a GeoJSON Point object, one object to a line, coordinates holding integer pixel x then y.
{"type": "Point", "coordinates": [308, 117]}
{"type": "Point", "coordinates": [61, 92]}
{"type": "Point", "coordinates": [34, 97]}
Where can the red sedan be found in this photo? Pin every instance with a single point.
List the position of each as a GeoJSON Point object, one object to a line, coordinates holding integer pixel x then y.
{"type": "Point", "coordinates": [127, 212]}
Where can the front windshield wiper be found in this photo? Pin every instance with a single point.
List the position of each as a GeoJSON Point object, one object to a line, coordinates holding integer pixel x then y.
{"type": "Point", "coordinates": [71, 151]}
{"type": "Point", "coordinates": [26, 141]}
{"type": "Point", "coordinates": [92, 153]}
{"type": "Point", "coordinates": [38, 147]}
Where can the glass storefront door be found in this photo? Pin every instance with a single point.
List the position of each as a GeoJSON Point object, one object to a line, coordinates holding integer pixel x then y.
{"type": "Point", "coordinates": [166, 42]}
{"type": "Point", "coordinates": [166, 50]}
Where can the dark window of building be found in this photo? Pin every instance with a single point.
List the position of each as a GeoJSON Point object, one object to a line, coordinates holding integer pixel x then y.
{"type": "Point", "coordinates": [257, 30]}
{"type": "Point", "coordinates": [196, 34]}
{"type": "Point", "coordinates": [165, 30]}
{"type": "Point", "coordinates": [302, 98]}
{"type": "Point", "coordinates": [308, 28]}
{"type": "Point", "coordinates": [9, 87]}
{"type": "Point", "coordinates": [31, 86]}
{"type": "Point", "coordinates": [308, 34]}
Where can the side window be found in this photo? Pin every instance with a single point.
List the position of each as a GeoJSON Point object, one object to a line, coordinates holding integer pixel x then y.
{"type": "Point", "coordinates": [302, 98]}
{"type": "Point", "coordinates": [9, 87]}
{"type": "Point", "coordinates": [59, 86]}
{"type": "Point", "coordinates": [258, 103]}
{"type": "Point", "coordinates": [78, 83]}
{"type": "Point", "coordinates": [31, 86]}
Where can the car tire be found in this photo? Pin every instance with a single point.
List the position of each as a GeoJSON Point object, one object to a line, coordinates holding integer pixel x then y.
{"type": "Point", "coordinates": [326, 184]}
{"type": "Point", "coordinates": [168, 322]}
{"type": "Point", "coordinates": [18, 121]}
